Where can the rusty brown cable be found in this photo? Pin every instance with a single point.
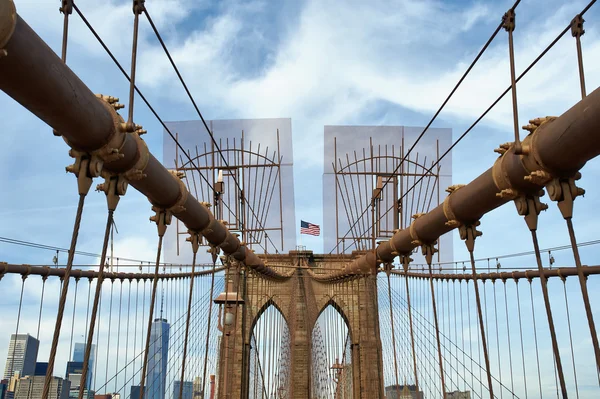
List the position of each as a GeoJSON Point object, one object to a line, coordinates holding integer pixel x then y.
{"type": "Point", "coordinates": [544, 285]}
{"type": "Point", "coordinates": [412, 336]}
{"type": "Point", "coordinates": [63, 295]}
{"type": "Point", "coordinates": [112, 287]}
{"type": "Point", "coordinates": [138, 8]}
{"type": "Point", "coordinates": [151, 311]}
{"type": "Point", "coordinates": [537, 355]}
{"type": "Point", "coordinates": [471, 339]}
{"type": "Point", "coordinates": [437, 332]}
{"type": "Point", "coordinates": [508, 23]}
{"type": "Point", "coordinates": [100, 279]}
{"type": "Point", "coordinates": [73, 317]}
{"type": "Point", "coordinates": [189, 311]}
{"type": "Point", "coordinates": [455, 323]}
{"type": "Point", "coordinates": [393, 331]}
{"type": "Point", "coordinates": [577, 31]}
{"type": "Point", "coordinates": [584, 293]}
{"type": "Point", "coordinates": [521, 336]}
{"type": "Point", "coordinates": [481, 325]}
{"type": "Point", "coordinates": [210, 306]}
{"type": "Point", "coordinates": [66, 8]}
{"type": "Point", "coordinates": [12, 362]}
{"type": "Point", "coordinates": [127, 332]}
{"type": "Point", "coordinates": [44, 278]}
{"type": "Point", "coordinates": [564, 280]}
{"type": "Point", "coordinates": [119, 336]}
{"type": "Point", "coordinates": [512, 385]}
{"type": "Point", "coordinates": [497, 338]}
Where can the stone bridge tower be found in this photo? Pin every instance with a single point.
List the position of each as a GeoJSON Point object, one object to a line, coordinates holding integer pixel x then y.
{"type": "Point", "coordinates": [301, 298]}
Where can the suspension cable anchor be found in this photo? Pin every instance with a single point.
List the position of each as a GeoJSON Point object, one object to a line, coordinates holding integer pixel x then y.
{"type": "Point", "coordinates": [405, 260]}
{"type": "Point", "coordinates": [469, 233]}
{"type": "Point", "coordinates": [114, 187]}
{"type": "Point", "coordinates": [194, 238]}
{"type": "Point", "coordinates": [564, 192]}
{"type": "Point", "coordinates": [162, 218]}
{"type": "Point", "coordinates": [428, 250]}
{"type": "Point", "coordinates": [530, 207]}
{"type": "Point", "coordinates": [85, 168]}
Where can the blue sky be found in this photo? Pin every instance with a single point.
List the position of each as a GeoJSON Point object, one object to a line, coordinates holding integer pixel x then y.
{"type": "Point", "coordinates": [320, 63]}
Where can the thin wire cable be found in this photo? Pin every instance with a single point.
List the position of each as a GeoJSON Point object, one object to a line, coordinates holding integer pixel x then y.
{"type": "Point", "coordinates": [456, 86]}
{"type": "Point", "coordinates": [152, 110]}
{"type": "Point", "coordinates": [539, 57]}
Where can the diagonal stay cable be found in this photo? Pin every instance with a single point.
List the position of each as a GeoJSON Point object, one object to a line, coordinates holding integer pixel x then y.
{"type": "Point", "coordinates": [111, 55]}
{"type": "Point", "coordinates": [164, 46]}
{"type": "Point", "coordinates": [535, 61]}
{"type": "Point", "coordinates": [412, 147]}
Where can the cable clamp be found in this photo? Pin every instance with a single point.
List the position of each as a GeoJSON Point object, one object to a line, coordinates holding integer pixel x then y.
{"type": "Point", "coordinates": [577, 26]}
{"type": "Point", "coordinates": [405, 260]}
{"type": "Point", "coordinates": [66, 7]}
{"type": "Point", "coordinates": [428, 250]}
{"type": "Point", "coordinates": [139, 6]}
{"type": "Point", "coordinates": [508, 20]}
{"type": "Point", "coordinates": [85, 168]}
{"type": "Point", "coordinates": [469, 233]}
{"type": "Point", "coordinates": [162, 218]}
{"type": "Point", "coordinates": [564, 192]}
{"type": "Point", "coordinates": [195, 239]}
{"type": "Point", "coordinates": [114, 187]}
{"type": "Point", "coordinates": [530, 206]}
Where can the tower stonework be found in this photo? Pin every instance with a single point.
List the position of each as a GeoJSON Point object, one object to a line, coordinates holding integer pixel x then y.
{"type": "Point", "coordinates": [300, 299]}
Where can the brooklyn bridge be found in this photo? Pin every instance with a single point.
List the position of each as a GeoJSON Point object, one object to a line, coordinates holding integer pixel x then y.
{"type": "Point", "coordinates": [410, 285]}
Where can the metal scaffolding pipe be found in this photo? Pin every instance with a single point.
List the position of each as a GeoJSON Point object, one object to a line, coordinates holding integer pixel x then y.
{"type": "Point", "coordinates": [558, 148]}
{"type": "Point", "coordinates": [33, 75]}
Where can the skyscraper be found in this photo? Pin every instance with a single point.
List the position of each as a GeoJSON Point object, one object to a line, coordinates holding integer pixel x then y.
{"type": "Point", "coordinates": [73, 374]}
{"type": "Point", "coordinates": [156, 374]}
{"type": "Point", "coordinates": [22, 354]}
{"type": "Point", "coordinates": [32, 386]}
{"type": "Point", "coordinates": [78, 355]}
{"type": "Point", "coordinates": [135, 392]}
{"type": "Point", "coordinates": [188, 390]}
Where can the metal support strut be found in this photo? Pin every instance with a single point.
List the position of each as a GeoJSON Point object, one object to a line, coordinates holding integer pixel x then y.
{"type": "Point", "coordinates": [469, 233]}
{"type": "Point", "coordinates": [530, 207]}
{"type": "Point", "coordinates": [162, 218]}
{"type": "Point", "coordinates": [564, 192]}
{"type": "Point", "coordinates": [428, 251]}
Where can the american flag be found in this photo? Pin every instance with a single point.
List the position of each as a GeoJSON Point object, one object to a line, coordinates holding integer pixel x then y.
{"type": "Point", "coordinates": [309, 228]}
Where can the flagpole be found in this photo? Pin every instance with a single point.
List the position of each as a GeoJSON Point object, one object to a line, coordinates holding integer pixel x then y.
{"type": "Point", "coordinates": [300, 234]}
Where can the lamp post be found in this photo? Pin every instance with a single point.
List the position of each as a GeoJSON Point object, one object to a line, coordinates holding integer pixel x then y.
{"type": "Point", "coordinates": [219, 189]}
{"type": "Point", "coordinates": [228, 302]}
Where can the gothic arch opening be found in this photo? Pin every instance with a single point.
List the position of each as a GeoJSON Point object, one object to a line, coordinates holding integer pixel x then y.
{"type": "Point", "coordinates": [331, 355]}
{"type": "Point", "coordinates": [269, 361]}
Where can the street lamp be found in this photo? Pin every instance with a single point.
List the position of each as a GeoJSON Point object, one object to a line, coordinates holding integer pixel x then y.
{"type": "Point", "coordinates": [228, 302]}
